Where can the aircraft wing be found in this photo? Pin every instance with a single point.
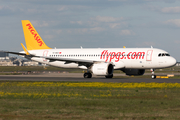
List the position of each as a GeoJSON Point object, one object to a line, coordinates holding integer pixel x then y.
{"type": "Point", "coordinates": [17, 53]}
{"type": "Point", "coordinates": [66, 59]}
{"type": "Point", "coordinates": [86, 63]}
{"type": "Point", "coordinates": [52, 59]}
{"type": "Point", "coordinates": [70, 60]}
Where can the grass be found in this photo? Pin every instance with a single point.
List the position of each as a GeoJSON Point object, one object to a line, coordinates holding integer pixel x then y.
{"type": "Point", "coordinates": [32, 100]}
{"type": "Point", "coordinates": [10, 73]}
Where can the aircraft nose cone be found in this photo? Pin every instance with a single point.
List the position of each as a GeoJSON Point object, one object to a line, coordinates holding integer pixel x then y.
{"type": "Point", "coordinates": [172, 61]}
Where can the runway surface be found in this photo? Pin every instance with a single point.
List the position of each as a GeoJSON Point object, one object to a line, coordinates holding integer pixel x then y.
{"type": "Point", "coordinates": [78, 77]}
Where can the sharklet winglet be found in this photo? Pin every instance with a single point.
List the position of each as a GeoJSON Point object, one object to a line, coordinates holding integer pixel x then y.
{"type": "Point", "coordinates": [25, 50]}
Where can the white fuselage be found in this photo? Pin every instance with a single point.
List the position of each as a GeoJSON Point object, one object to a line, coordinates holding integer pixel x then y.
{"type": "Point", "coordinates": [130, 58]}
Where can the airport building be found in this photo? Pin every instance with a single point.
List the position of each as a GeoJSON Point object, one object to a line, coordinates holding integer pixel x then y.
{"type": "Point", "coordinates": [5, 60]}
{"type": "Point", "coordinates": [6, 63]}
{"type": "Point", "coordinates": [30, 63]}
{"type": "Point", "coordinates": [4, 56]}
{"type": "Point", "coordinates": [178, 64]}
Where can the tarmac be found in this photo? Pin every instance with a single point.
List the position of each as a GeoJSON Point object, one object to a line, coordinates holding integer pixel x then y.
{"type": "Point", "coordinates": [78, 77]}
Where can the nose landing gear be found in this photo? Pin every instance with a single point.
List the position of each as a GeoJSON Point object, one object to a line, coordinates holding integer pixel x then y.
{"type": "Point", "coordinates": [153, 76]}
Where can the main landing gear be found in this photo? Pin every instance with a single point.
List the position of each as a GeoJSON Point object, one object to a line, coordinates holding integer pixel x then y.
{"type": "Point", "coordinates": [109, 76]}
{"type": "Point", "coordinates": [87, 75]}
{"type": "Point", "coordinates": [152, 74]}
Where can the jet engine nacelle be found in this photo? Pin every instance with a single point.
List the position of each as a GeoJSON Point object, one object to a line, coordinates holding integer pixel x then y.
{"type": "Point", "coordinates": [134, 71]}
{"type": "Point", "coordinates": [102, 69]}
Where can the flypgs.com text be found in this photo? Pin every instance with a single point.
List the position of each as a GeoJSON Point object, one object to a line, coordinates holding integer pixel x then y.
{"type": "Point", "coordinates": [121, 55]}
{"type": "Point", "coordinates": [36, 37]}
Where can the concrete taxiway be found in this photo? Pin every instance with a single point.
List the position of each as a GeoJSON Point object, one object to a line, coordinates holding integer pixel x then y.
{"type": "Point", "coordinates": [78, 77]}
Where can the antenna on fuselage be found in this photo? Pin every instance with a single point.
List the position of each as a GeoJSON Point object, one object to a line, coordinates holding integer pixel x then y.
{"type": "Point", "coordinates": [151, 46]}
{"type": "Point", "coordinates": [81, 47]}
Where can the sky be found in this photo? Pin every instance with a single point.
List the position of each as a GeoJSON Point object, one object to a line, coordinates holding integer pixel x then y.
{"type": "Point", "coordinates": [93, 23]}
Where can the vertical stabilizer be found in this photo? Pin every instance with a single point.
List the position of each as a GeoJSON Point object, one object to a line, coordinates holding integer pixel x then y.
{"type": "Point", "coordinates": [32, 38]}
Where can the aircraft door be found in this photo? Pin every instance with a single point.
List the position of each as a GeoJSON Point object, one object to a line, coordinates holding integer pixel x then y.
{"type": "Point", "coordinates": [45, 53]}
{"type": "Point", "coordinates": [149, 55]}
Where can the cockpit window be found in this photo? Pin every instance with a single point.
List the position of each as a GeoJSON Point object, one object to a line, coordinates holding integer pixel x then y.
{"type": "Point", "coordinates": [167, 54]}
{"type": "Point", "coordinates": [163, 54]}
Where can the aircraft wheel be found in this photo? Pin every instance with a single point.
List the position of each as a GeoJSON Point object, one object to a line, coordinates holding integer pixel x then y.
{"type": "Point", "coordinates": [153, 76]}
{"type": "Point", "coordinates": [87, 75]}
{"type": "Point", "coordinates": [109, 76]}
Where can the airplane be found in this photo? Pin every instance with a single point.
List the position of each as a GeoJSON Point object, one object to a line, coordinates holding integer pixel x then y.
{"type": "Point", "coordinates": [97, 61]}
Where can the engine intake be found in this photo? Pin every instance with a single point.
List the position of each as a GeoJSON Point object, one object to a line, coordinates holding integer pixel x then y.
{"type": "Point", "coordinates": [102, 69]}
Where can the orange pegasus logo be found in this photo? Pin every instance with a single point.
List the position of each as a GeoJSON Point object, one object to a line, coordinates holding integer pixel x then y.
{"type": "Point", "coordinates": [36, 37]}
